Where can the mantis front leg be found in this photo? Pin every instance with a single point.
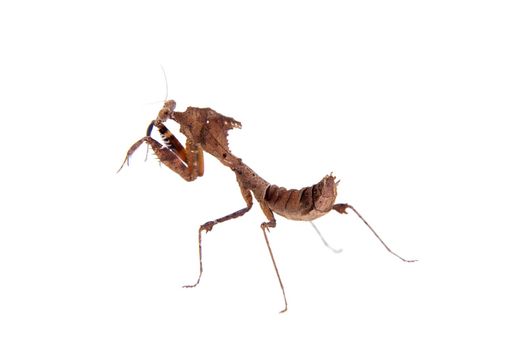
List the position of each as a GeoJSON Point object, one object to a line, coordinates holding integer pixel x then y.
{"type": "Point", "coordinates": [188, 162]}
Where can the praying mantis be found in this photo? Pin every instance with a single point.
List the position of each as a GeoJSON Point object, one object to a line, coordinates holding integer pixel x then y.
{"type": "Point", "coordinates": [207, 131]}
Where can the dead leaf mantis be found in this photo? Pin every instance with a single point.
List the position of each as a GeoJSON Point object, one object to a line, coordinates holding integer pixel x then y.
{"type": "Point", "coordinates": [207, 131]}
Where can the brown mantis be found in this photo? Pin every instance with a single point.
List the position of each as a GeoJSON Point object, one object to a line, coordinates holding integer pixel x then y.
{"type": "Point", "coordinates": [207, 131]}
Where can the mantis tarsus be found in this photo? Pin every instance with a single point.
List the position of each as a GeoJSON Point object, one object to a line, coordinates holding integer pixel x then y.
{"type": "Point", "coordinates": [207, 131]}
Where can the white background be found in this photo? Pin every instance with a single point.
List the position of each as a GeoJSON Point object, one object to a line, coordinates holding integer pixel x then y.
{"type": "Point", "coordinates": [415, 106]}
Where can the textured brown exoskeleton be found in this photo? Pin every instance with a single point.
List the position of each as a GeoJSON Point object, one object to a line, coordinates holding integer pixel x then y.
{"type": "Point", "coordinates": [207, 130]}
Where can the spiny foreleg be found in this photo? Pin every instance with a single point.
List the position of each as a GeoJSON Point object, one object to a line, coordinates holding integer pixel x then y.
{"type": "Point", "coordinates": [188, 162]}
{"type": "Point", "coordinates": [132, 150]}
{"type": "Point", "coordinates": [166, 157]}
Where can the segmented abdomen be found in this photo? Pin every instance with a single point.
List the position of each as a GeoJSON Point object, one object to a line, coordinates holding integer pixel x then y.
{"type": "Point", "coordinates": [308, 203]}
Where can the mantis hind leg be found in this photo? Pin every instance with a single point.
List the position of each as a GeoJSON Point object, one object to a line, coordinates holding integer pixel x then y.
{"type": "Point", "coordinates": [341, 209]}
{"type": "Point", "coordinates": [265, 226]}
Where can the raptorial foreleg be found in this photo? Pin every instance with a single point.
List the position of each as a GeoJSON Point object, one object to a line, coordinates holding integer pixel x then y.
{"type": "Point", "coordinates": [187, 162]}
